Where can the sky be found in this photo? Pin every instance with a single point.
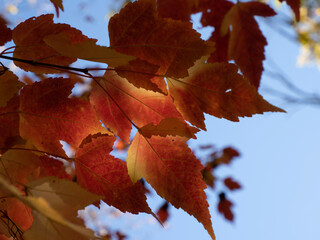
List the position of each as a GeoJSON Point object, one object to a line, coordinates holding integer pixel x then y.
{"type": "Point", "coordinates": [279, 164]}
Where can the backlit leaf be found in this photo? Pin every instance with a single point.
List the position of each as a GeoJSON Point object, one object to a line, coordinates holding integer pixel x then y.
{"type": "Point", "coordinates": [29, 39]}
{"type": "Point", "coordinates": [173, 171]}
{"type": "Point", "coordinates": [116, 101]}
{"type": "Point", "coordinates": [216, 89]}
{"type": "Point", "coordinates": [49, 115]}
{"type": "Point", "coordinates": [103, 174]}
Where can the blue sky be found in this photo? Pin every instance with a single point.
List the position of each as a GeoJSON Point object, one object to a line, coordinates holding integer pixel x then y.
{"type": "Point", "coordinates": [279, 164]}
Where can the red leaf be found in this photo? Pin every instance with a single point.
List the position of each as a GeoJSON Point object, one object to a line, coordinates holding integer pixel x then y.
{"type": "Point", "coordinates": [231, 184]}
{"type": "Point", "coordinates": [29, 39]}
{"type": "Point", "coordinates": [213, 12]}
{"type": "Point", "coordinates": [178, 9]}
{"type": "Point", "coordinates": [224, 207]}
{"type": "Point", "coordinates": [6, 33]}
{"type": "Point", "coordinates": [9, 86]}
{"type": "Point", "coordinates": [216, 89]}
{"type": "Point", "coordinates": [246, 45]}
{"type": "Point", "coordinates": [116, 101]}
{"type": "Point", "coordinates": [138, 31]}
{"type": "Point", "coordinates": [9, 123]}
{"type": "Point", "coordinates": [163, 212]}
{"type": "Point", "coordinates": [53, 167]}
{"type": "Point", "coordinates": [49, 115]}
{"type": "Point", "coordinates": [105, 175]}
{"type": "Point", "coordinates": [173, 171]}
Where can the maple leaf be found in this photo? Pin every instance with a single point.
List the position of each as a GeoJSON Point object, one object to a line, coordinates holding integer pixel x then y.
{"type": "Point", "coordinates": [295, 6]}
{"type": "Point", "coordinates": [231, 184]}
{"type": "Point", "coordinates": [216, 89]}
{"type": "Point", "coordinates": [117, 103]}
{"type": "Point", "coordinates": [246, 44]}
{"type": "Point", "coordinates": [213, 13]}
{"type": "Point", "coordinates": [6, 33]}
{"type": "Point", "coordinates": [172, 45]}
{"type": "Point", "coordinates": [87, 50]}
{"type": "Point", "coordinates": [103, 174]}
{"type": "Point", "coordinates": [9, 86]}
{"type": "Point", "coordinates": [173, 171]}
{"type": "Point", "coordinates": [29, 39]}
{"type": "Point", "coordinates": [48, 115]}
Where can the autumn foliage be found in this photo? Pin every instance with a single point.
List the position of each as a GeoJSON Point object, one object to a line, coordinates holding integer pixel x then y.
{"type": "Point", "coordinates": [160, 80]}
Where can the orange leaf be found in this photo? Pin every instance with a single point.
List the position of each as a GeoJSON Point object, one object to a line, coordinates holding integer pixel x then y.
{"type": "Point", "coordinates": [173, 171]}
{"type": "Point", "coordinates": [169, 126]}
{"type": "Point", "coordinates": [246, 45]}
{"type": "Point", "coordinates": [29, 39]}
{"type": "Point", "coordinates": [6, 33]}
{"type": "Point", "coordinates": [49, 115]}
{"type": "Point", "coordinates": [19, 213]}
{"type": "Point", "coordinates": [172, 45]}
{"type": "Point", "coordinates": [116, 101]}
{"type": "Point", "coordinates": [103, 174]}
{"type": "Point", "coordinates": [216, 89]}
{"type": "Point", "coordinates": [295, 6]}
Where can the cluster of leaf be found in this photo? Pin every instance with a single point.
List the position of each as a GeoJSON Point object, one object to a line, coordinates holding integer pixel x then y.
{"type": "Point", "coordinates": [161, 79]}
{"type": "Point", "coordinates": [214, 160]}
